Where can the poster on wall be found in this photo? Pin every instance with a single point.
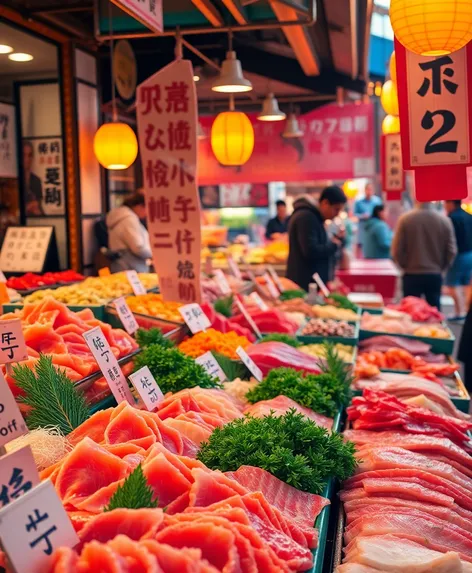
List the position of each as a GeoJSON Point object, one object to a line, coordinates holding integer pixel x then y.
{"type": "Point", "coordinates": [43, 177]}
{"type": "Point", "coordinates": [209, 196]}
{"type": "Point", "coordinates": [244, 195]}
{"type": "Point", "coordinates": [8, 159]}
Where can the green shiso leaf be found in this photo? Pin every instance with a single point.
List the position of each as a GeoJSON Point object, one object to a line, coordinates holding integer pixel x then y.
{"type": "Point", "coordinates": [225, 306]}
{"type": "Point", "coordinates": [153, 336]}
{"type": "Point", "coordinates": [291, 294]}
{"type": "Point", "coordinates": [232, 368]}
{"type": "Point", "coordinates": [341, 301]}
{"type": "Point", "coordinates": [135, 493]}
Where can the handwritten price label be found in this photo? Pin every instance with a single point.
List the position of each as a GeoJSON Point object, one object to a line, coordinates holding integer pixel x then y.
{"type": "Point", "coordinates": [12, 424]}
{"type": "Point", "coordinates": [273, 291]}
{"type": "Point", "coordinates": [250, 364]}
{"type": "Point", "coordinates": [208, 361]}
{"type": "Point", "coordinates": [248, 317]}
{"type": "Point", "coordinates": [254, 296]}
{"type": "Point", "coordinates": [194, 317]}
{"type": "Point", "coordinates": [321, 284]}
{"type": "Point", "coordinates": [222, 281]}
{"type": "Point", "coordinates": [135, 282]}
{"type": "Point", "coordinates": [126, 316]}
{"type": "Point", "coordinates": [18, 474]}
{"type": "Point", "coordinates": [276, 278]}
{"type": "Point", "coordinates": [147, 387]}
{"type": "Point", "coordinates": [12, 341]}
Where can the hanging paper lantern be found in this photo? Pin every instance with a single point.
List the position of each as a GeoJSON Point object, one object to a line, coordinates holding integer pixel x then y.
{"type": "Point", "coordinates": [232, 138]}
{"type": "Point", "coordinates": [393, 67]}
{"type": "Point", "coordinates": [432, 27]}
{"type": "Point", "coordinates": [350, 189]}
{"type": "Point", "coordinates": [389, 98]}
{"type": "Point", "coordinates": [115, 146]}
{"type": "Point", "coordinates": [391, 124]}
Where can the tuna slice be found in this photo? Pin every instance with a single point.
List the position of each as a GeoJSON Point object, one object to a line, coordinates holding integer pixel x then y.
{"type": "Point", "coordinates": [269, 355]}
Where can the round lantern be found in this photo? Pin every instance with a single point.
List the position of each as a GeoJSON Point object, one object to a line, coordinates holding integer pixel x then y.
{"type": "Point", "coordinates": [389, 98]}
{"type": "Point", "coordinates": [115, 145]}
{"type": "Point", "coordinates": [391, 124]}
{"type": "Point", "coordinates": [393, 67]}
{"type": "Point", "coordinates": [232, 138]}
{"type": "Point", "coordinates": [432, 27]}
{"type": "Point", "coordinates": [350, 189]}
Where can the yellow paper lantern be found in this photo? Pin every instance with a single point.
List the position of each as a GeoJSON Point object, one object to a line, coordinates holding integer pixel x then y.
{"type": "Point", "coordinates": [350, 189]}
{"type": "Point", "coordinates": [389, 98]}
{"type": "Point", "coordinates": [115, 146]}
{"type": "Point", "coordinates": [393, 67]}
{"type": "Point", "coordinates": [432, 27]}
{"type": "Point", "coordinates": [232, 138]}
{"type": "Point", "coordinates": [391, 124]}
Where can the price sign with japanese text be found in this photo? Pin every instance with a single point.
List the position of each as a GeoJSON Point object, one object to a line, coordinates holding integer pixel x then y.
{"type": "Point", "coordinates": [247, 316]}
{"type": "Point", "coordinates": [126, 316]}
{"type": "Point", "coordinates": [33, 526]}
{"type": "Point", "coordinates": [12, 342]}
{"type": "Point", "coordinates": [12, 424]}
{"type": "Point", "coordinates": [255, 297]}
{"type": "Point", "coordinates": [321, 285]}
{"type": "Point", "coordinates": [147, 387]}
{"type": "Point", "coordinates": [24, 249]}
{"type": "Point", "coordinates": [393, 176]}
{"type": "Point", "coordinates": [275, 278]}
{"type": "Point", "coordinates": [108, 364]}
{"type": "Point", "coordinates": [167, 128]}
{"type": "Point", "coordinates": [194, 317]}
{"type": "Point", "coordinates": [135, 282]}
{"type": "Point", "coordinates": [250, 364]}
{"type": "Point", "coordinates": [208, 361]}
{"type": "Point", "coordinates": [273, 290]}
{"type": "Point", "coordinates": [222, 281]}
{"type": "Point", "coordinates": [233, 267]}
{"type": "Point", "coordinates": [18, 474]}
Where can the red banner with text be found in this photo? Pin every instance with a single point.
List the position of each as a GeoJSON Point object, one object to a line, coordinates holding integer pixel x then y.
{"type": "Point", "coordinates": [338, 143]}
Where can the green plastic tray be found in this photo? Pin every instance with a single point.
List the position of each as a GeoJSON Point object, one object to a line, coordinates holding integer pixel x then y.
{"type": "Point", "coordinates": [438, 345]}
{"type": "Point", "coordinates": [322, 524]}
{"type": "Point", "coordinates": [349, 341]}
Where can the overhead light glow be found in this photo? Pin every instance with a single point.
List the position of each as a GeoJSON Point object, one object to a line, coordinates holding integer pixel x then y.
{"type": "Point", "coordinates": [20, 57]}
{"type": "Point", "coordinates": [196, 78]}
{"type": "Point", "coordinates": [231, 79]}
{"type": "Point", "coordinates": [270, 110]}
{"type": "Point", "coordinates": [4, 49]}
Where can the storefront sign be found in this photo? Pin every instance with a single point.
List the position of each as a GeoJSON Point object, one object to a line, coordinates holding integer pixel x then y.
{"type": "Point", "coordinates": [18, 474]}
{"type": "Point", "coordinates": [167, 129]}
{"type": "Point", "coordinates": [208, 361]}
{"type": "Point", "coordinates": [12, 341]}
{"type": "Point", "coordinates": [33, 527]}
{"type": "Point", "coordinates": [43, 183]}
{"type": "Point", "coordinates": [393, 176]}
{"type": "Point", "coordinates": [194, 317]}
{"type": "Point", "coordinates": [126, 316]}
{"type": "Point", "coordinates": [434, 96]}
{"type": "Point", "coordinates": [147, 387]}
{"type": "Point", "coordinates": [338, 143]}
{"type": "Point", "coordinates": [125, 71]}
{"type": "Point", "coordinates": [12, 424]}
{"type": "Point", "coordinates": [148, 12]}
{"type": "Point", "coordinates": [108, 364]}
{"type": "Point", "coordinates": [250, 364]}
{"type": "Point", "coordinates": [8, 161]}
{"type": "Point", "coordinates": [24, 249]}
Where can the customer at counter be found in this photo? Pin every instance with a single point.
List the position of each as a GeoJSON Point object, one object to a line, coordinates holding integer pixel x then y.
{"type": "Point", "coordinates": [278, 226]}
{"type": "Point", "coordinates": [377, 235]}
{"type": "Point", "coordinates": [363, 209]}
{"type": "Point", "coordinates": [310, 250]}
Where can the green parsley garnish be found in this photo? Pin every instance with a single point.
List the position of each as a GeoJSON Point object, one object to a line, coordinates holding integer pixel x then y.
{"type": "Point", "coordinates": [153, 336]}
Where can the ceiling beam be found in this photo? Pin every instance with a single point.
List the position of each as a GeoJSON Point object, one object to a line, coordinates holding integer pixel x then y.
{"type": "Point", "coordinates": [236, 10]}
{"type": "Point", "coordinates": [208, 9]}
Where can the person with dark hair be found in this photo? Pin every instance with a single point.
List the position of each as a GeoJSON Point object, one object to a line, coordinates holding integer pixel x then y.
{"type": "Point", "coordinates": [310, 250]}
{"type": "Point", "coordinates": [277, 227]}
{"type": "Point", "coordinates": [377, 235]}
{"type": "Point", "coordinates": [459, 276]}
{"type": "Point", "coordinates": [128, 237]}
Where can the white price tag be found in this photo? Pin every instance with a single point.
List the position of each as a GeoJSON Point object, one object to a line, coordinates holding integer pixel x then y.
{"type": "Point", "coordinates": [13, 346]}
{"type": "Point", "coordinates": [18, 474]}
{"type": "Point", "coordinates": [12, 424]}
{"type": "Point", "coordinates": [126, 316]}
{"type": "Point", "coordinates": [250, 364]}
{"type": "Point", "coordinates": [33, 527]}
{"type": "Point", "coordinates": [3, 278]}
{"type": "Point", "coordinates": [273, 291]}
{"type": "Point", "coordinates": [209, 362]}
{"type": "Point", "coordinates": [233, 267]}
{"type": "Point", "coordinates": [147, 387]}
{"type": "Point", "coordinates": [321, 284]}
{"type": "Point", "coordinates": [248, 317]}
{"type": "Point", "coordinates": [108, 364]}
{"type": "Point", "coordinates": [275, 278]}
{"type": "Point", "coordinates": [135, 282]}
{"type": "Point", "coordinates": [255, 297]}
{"type": "Point", "coordinates": [194, 317]}
{"type": "Point", "coordinates": [222, 281]}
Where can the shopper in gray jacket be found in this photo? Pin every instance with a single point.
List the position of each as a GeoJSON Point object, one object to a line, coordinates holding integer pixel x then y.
{"type": "Point", "coordinates": [424, 247]}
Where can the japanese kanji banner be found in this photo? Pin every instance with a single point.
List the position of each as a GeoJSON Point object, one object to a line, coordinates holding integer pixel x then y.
{"type": "Point", "coordinates": [434, 95]}
{"type": "Point", "coordinates": [43, 178]}
{"type": "Point", "coordinates": [167, 131]}
{"type": "Point", "coordinates": [393, 175]}
{"type": "Point", "coordinates": [337, 143]}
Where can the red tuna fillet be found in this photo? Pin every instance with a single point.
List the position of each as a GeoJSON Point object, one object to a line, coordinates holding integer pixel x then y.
{"type": "Point", "coordinates": [269, 355]}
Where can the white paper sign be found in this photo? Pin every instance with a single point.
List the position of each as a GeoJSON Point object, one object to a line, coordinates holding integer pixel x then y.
{"type": "Point", "coordinates": [12, 342]}
{"type": "Point", "coordinates": [135, 282]}
{"type": "Point", "coordinates": [249, 363]}
{"type": "Point", "coordinates": [147, 387]}
{"type": "Point", "coordinates": [254, 296]}
{"type": "Point", "coordinates": [18, 475]}
{"type": "Point", "coordinates": [194, 317]}
{"type": "Point", "coordinates": [209, 362]}
{"type": "Point", "coordinates": [108, 364]}
{"type": "Point", "coordinates": [393, 163]}
{"type": "Point", "coordinates": [33, 527]}
{"type": "Point", "coordinates": [276, 278]}
{"type": "Point", "coordinates": [8, 153]}
{"type": "Point", "coordinates": [273, 291]}
{"type": "Point", "coordinates": [222, 281]}
{"type": "Point", "coordinates": [233, 267]}
{"type": "Point", "coordinates": [321, 284]}
{"type": "Point", "coordinates": [24, 249]}
{"type": "Point", "coordinates": [126, 316]}
{"type": "Point", "coordinates": [248, 317]}
{"type": "Point", "coordinates": [12, 424]}
{"type": "Point", "coordinates": [148, 12]}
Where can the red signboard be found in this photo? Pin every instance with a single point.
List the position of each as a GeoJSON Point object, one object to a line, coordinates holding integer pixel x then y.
{"type": "Point", "coordinates": [434, 96]}
{"type": "Point", "coordinates": [338, 143]}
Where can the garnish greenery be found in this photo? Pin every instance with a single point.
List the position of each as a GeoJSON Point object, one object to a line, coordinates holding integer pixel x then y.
{"type": "Point", "coordinates": [282, 337]}
{"type": "Point", "coordinates": [225, 306]}
{"type": "Point", "coordinates": [232, 368]}
{"type": "Point", "coordinates": [173, 369]}
{"type": "Point", "coordinates": [294, 293]}
{"type": "Point", "coordinates": [153, 336]}
{"type": "Point", "coordinates": [135, 493]}
{"type": "Point", "coordinates": [290, 447]}
{"type": "Point", "coordinates": [333, 365]}
{"type": "Point", "coordinates": [341, 301]}
{"type": "Point", "coordinates": [51, 396]}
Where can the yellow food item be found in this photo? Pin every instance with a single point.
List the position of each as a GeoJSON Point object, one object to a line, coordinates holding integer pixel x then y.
{"type": "Point", "coordinates": [345, 352]}
{"type": "Point", "coordinates": [335, 313]}
{"type": "Point", "coordinates": [152, 304]}
{"type": "Point", "coordinates": [431, 331]}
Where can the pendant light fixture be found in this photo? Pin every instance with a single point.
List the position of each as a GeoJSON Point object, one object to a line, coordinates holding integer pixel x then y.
{"type": "Point", "coordinates": [115, 144]}
{"type": "Point", "coordinates": [292, 128]}
{"type": "Point", "coordinates": [270, 110]}
{"type": "Point", "coordinates": [231, 79]}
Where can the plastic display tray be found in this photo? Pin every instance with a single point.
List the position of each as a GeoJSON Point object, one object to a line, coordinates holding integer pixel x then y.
{"type": "Point", "coordinates": [145, 321]}
{"type": "Point", "coordinates": [310, 339]}
{"type": "Point", "coordinates": [438, 345]}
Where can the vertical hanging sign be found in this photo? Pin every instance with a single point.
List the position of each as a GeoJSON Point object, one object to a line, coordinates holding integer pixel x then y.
{"type": "Point", "coordinates": [393, 175]}
{"type": "Point", "coordinates": [167, 130]}
{"type": "Point", "coordinates": [434, 95]}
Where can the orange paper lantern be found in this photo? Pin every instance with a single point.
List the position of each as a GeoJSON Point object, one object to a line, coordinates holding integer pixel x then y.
{"type": "Point", "coordinates": [389, 98]}
{"type": "Point", "coordinates": [115, 146]}
{"type": "Point", "coordinates": [391, 124]}
{"type": "Point", "coordinates": [350, 189]}
{"type": "Point", "coordinates": [232, 138]}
